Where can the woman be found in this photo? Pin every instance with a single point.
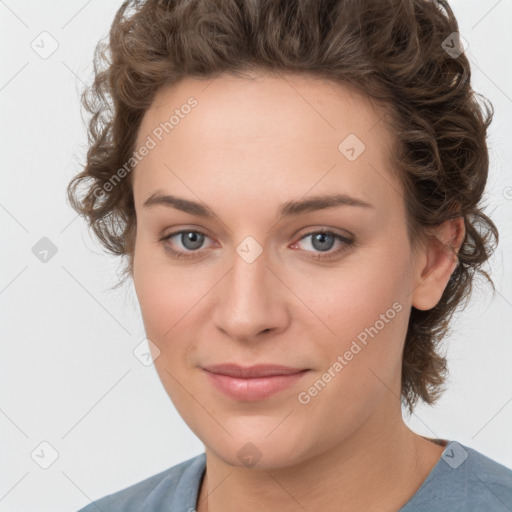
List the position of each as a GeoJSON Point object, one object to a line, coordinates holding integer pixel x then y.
{"type": "Point", "coordinates": [230, 142]}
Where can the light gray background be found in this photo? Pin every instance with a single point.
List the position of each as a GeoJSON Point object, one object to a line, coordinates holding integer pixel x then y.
{"type": "Point", "coordinates": [69, 376]}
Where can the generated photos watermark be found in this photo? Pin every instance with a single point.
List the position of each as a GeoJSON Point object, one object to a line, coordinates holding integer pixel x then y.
{"type": "Point", "coordinates": [357, 345]}
{"type": "Point", "coordinates": [150, 143]}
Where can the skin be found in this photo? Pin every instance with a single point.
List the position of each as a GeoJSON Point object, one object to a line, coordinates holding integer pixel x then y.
{"type": "Point", "coordinates": [247, 147]}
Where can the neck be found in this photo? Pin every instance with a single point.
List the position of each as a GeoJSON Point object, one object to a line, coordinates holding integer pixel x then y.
{"type": "Point", "coordinates": [379, 467]}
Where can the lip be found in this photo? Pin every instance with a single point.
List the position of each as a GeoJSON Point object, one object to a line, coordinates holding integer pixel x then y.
{"type": "Point", "coordinates": [254, 382]}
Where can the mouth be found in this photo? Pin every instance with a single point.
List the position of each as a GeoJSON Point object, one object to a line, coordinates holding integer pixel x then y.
{"type": "Point", "coordinates": [252, 383]}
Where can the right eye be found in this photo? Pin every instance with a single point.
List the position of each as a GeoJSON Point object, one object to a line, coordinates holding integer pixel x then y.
{"type": "Point", "coordinates": [190, 240]}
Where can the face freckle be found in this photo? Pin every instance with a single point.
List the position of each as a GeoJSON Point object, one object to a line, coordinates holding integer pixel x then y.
{"type": "Point", "coordinates": [239, 168]}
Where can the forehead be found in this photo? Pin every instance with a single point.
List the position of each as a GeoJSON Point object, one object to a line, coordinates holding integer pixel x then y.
{"type": "Point", "coordinates": [264, 105]}
{"type": "Point", "coordinates": [283, 132]}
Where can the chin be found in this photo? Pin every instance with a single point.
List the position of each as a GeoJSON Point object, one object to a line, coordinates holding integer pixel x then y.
{"type": "Point", "coordinates": [259, 451]}
{"type": "Point", "coordinates": [255, 456]}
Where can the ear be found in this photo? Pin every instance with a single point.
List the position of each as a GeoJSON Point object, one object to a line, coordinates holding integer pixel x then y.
{"type": "Point", "coordinates": [436, 263]}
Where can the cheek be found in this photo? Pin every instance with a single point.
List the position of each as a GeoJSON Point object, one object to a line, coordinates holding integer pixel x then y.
{"type": "Point", "coordinates": [154, 296]}
{"type": "Point", "coordinates": [168, 296]}
{"type": "Point", "coordinates": [367, 309]}
{"type": "Point", "coordinates": [161, 301]}
{"type": "Point", "coordinates": [356, 296]}
{"type": "Point", "coordinates": [156, 290]}
{"type": "Point", "coordinates": [361, 361]}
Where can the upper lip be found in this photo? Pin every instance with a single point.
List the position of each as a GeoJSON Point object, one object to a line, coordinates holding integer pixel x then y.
{"type": "Point", "coordinates": [247, 372]}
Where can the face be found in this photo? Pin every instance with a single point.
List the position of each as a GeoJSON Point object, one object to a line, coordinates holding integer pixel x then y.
{"type": "Point", "coordinates": [248, 277]}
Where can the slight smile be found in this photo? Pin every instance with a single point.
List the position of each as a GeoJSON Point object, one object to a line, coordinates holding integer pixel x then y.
{"type": "Point", "coordinates": [254, 382]}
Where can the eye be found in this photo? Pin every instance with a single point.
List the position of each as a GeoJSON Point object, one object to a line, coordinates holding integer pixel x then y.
{"type": "Point", "coordinates": [323, 241]}
{"type": "Point", "coordinates": [190, 240]}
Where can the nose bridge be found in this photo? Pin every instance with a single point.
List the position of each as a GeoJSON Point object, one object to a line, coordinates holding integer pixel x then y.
{"type": "Point", "coordinates": [249, 302]}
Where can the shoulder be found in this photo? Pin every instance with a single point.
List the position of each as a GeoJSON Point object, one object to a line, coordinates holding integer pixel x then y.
{"type": "Point", "coordinates": [464, 480]}
{"type": "Point", "coordinates": [178, 484]}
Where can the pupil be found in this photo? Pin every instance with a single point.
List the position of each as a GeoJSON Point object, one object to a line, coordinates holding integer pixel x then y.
{"type": "Point", "coordinates": [321, 238]}
{"type": "Point", "coordinates": [192, 240]}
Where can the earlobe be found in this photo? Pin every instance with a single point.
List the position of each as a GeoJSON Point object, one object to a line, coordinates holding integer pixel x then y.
{"type": "Point", "coordinates": [439, 260]}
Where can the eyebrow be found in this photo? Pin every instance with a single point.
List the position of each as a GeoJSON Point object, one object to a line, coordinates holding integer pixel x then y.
{"type": "Point", "coordinates": [287, 209]}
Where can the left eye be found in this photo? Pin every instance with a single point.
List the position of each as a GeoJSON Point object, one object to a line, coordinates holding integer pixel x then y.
{"type": "Point", "coordinates": [323, 241]}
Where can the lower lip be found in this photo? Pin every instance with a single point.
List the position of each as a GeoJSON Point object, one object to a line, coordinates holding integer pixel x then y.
{"type": "Point", "coordinates": [250, 390]}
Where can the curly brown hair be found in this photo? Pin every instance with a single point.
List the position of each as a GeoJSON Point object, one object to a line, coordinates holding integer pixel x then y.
{"type": "Point", "coordinates": [393, 51]}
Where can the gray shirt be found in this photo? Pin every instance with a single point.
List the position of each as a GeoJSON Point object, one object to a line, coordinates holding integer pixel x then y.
{"type": "Point", "coordinates": [463, 480]}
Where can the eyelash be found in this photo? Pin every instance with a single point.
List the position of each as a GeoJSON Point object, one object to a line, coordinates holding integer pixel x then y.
{"type": "Point", "coordinates": [316, 255]}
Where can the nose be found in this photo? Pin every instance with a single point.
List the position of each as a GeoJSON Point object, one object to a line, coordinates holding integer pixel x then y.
{"type": "Point", "coordinates": [251, 301]}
